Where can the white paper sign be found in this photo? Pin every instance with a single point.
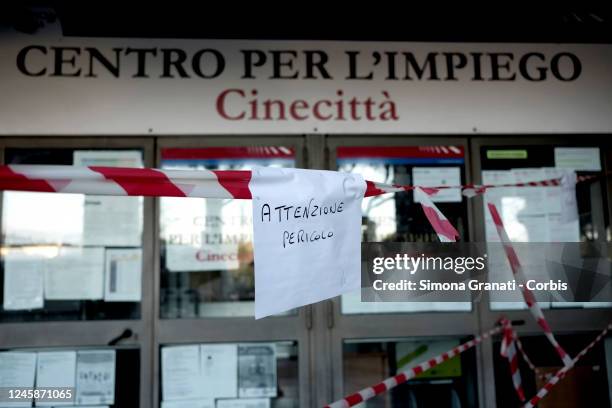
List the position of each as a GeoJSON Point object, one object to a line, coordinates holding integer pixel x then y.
{"type": "Point", "coordinates": [219, 370]}
{"type": "Point", "coordinates": [578, 158]}
{"type": "Point", "coordinates": [56, 369]}
{"type": "Point", "coordinates": [23, 280]}
{"type": "Point", "coordinates": [257, 370]}
{"type": "Point", "coordinates": [244, 403]}
{"type": "Point", "coordinates": [183, 258]}
{"type": "Point", "coordinates": [199, 403]}
{"type": "Point", "coordinates": [111, 221]}
{"type": "Point", "coordinates": [76, 273]}
{"type": "Point", "coordinates": [181, 373]}
{"type": "Point", "coordinates": [95, 377]}
{"type": "Point", "coordinates": [307, 236]}
{"type": "Point", "coordinates": [122, 277]}
{"type": "Point", "coordinates": [17, 370]}
{"type": "Point", "coordinates": [439, 176]}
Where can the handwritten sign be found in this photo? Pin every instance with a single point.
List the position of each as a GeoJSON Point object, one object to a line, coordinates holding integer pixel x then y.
{"type": "Point", "coordinates": [307, 229]}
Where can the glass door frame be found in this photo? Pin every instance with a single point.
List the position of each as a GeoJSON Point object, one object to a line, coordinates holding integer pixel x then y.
{"type": "Point", "coordinates": [561, 320]}
{"type": "Point", "coordinates": [95, 333]}
{"type": "Point", "coordinates": [229, 329]}
{"type": "Point", "coordinates": [394, 325]}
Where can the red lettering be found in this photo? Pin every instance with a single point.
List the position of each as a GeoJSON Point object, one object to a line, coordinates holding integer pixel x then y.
{"type": "Point", "coordinates": [221, 104]}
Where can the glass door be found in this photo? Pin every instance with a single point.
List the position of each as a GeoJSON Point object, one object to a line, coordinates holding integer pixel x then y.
{"type": "Point", "coordinates": [372, 341]}
{"type": "Point", "coordinates": [204, 316]}
{"type": "Point", "coordinates": [77, 290]}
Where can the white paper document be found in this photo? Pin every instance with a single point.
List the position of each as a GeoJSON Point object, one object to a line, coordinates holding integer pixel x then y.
{"type": "Point", "coordinates": [436, 177]}
{"type": "Point", "coordinates": [199, 403]}
{"type": "Point", "coordinates": [95, 377]}
{"type": "Point", "coordinates": [578, 158]}
{"type": "Point", "coordinates": [17, 370]}
{"type": "Point", "coordinates": [111, 221]}
{"type": "Point", "coordinates": [181, 373]}
{"type": "Point", "coordinates": [219, 370]}
{"type": "Point", "coordinates": [244, 403]}
{"type": "Point", "coordinates": [307, 236]}
{"type": "Point", "coordinates": [122, 275]}
{"type": "Point", "coordinates": [257, 370]}
{"type": "Point", "coordinates": [75, 273]}
{"type": "Point", "coordinates": [108, 158]}
{"type": "Point", "coordinates": [56, 369]}
{"type": "Point", "coordinates": [183, 258]}
{"type": "Point", "coordinates": [23, 280]}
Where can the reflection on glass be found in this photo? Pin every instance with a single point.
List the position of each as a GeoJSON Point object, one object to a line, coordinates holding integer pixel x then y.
{"type": "Point", "coordinates": [206, 244]}
{"type": "Point", "coordinates": [224, 373]}
{"type": "Point", "coordinates": [396, 217]}
{"type": "Point", "coordinates": [567, 213]}
{"type": "Point", "coordinates": [450, 384]}
{"type": "Point", "coordinates": [71, 256]}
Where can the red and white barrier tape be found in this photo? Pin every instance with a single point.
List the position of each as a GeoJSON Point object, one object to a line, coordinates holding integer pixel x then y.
{"type": "Point", "coordinates": [554, 380]}
{"type": "Point", "coordinates": [402, 377]}
{"type": "Point", "coordinates": [509, 351]}
{"type": "Point", "coordinates": [122, 181]}
{"type": "Point", "coordinates": [177, 183]}
{"type": "Point", "coordinates": [517, 271]}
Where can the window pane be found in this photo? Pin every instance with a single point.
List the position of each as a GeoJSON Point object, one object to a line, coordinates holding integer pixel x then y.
{"type": "Point", "coordinates": [97, 376]}
{"type": "Point", "coordinates": [207, 244]}
{"type": "Point", "coordinates": [396, 217]}
{"type": "Point", "coordinates": [223, 372]}
{"type": "Point", "coordinates": [585, 385]}
{"type": "Point", "coordinates": [536, 214]}
{"type": "Point", "coordinates": [451, 384]}
{"type": "Point", "coordinates": [71, 256]}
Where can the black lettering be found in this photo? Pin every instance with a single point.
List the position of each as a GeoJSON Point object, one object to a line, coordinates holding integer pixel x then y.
{"type": "Point", "coordinates": [60, 61]}
{"type": "Point", "coordinates": [353, 66]}
{"type": "Point", "coordinates": [477, 68]}
{"type": "Point", "coordinates": [21, 60]}
{"type": "Point", "coordinates": [523, 67]}
{"type": "Point", "coordinates": [429, 64]}
{"type": "Point", "coordinates": [173, 57]}
{"type": "Point", "coordinates": [249, 62]}
{"type": "Point", "coordinates": [94, 54]}
{"type": "Point", "coordinates": [196, 63]}
{"type": "Point", "coordinates": [278, 63]}
{"type": "Point", "coordinates": [265, 210]}
{"type": "Point", "coordinates": [576, 66]}
{"type": "Point", "coordinates": [454, 60]}
{"type": "Point", "coordinates": [497, 66]}
{"type": "Point", "coordinates": [318, 64]}
{"type": "Point", "coordinates": [141, 60]}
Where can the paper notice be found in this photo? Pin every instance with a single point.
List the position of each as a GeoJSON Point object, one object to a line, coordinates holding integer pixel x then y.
{"type": "Point", "coordinates": [307, 236]}
{"type": "Point", "coordinates": [257, 370]}
{"type": "Point", "coordinates": [578, 158]}
{"type": "Point", "coordinates": [219, 370]}
{"type": "Point", "coordinates": [181, 373]}
{"type": "Point", "coordinates": [244, 403]}
{"type": "Point", "coordinates": [23, 280]}
{"type": "Point", "coordinates": [122, 277]}
{"type": "Point", "coordinates": [439, 176]}
{"type": "Point", "coordinates": [56, 369]}
{"type": "Point", "coordinates": [199, 403]}
{"type": "Point", "coordinates": [75, 273]}
{"type": "Point", "coordinates": [111, 221]}
{"type": "Point", "coordinates": [95, 378]}
{"type": "Point", "coordinates": [17, 370]}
